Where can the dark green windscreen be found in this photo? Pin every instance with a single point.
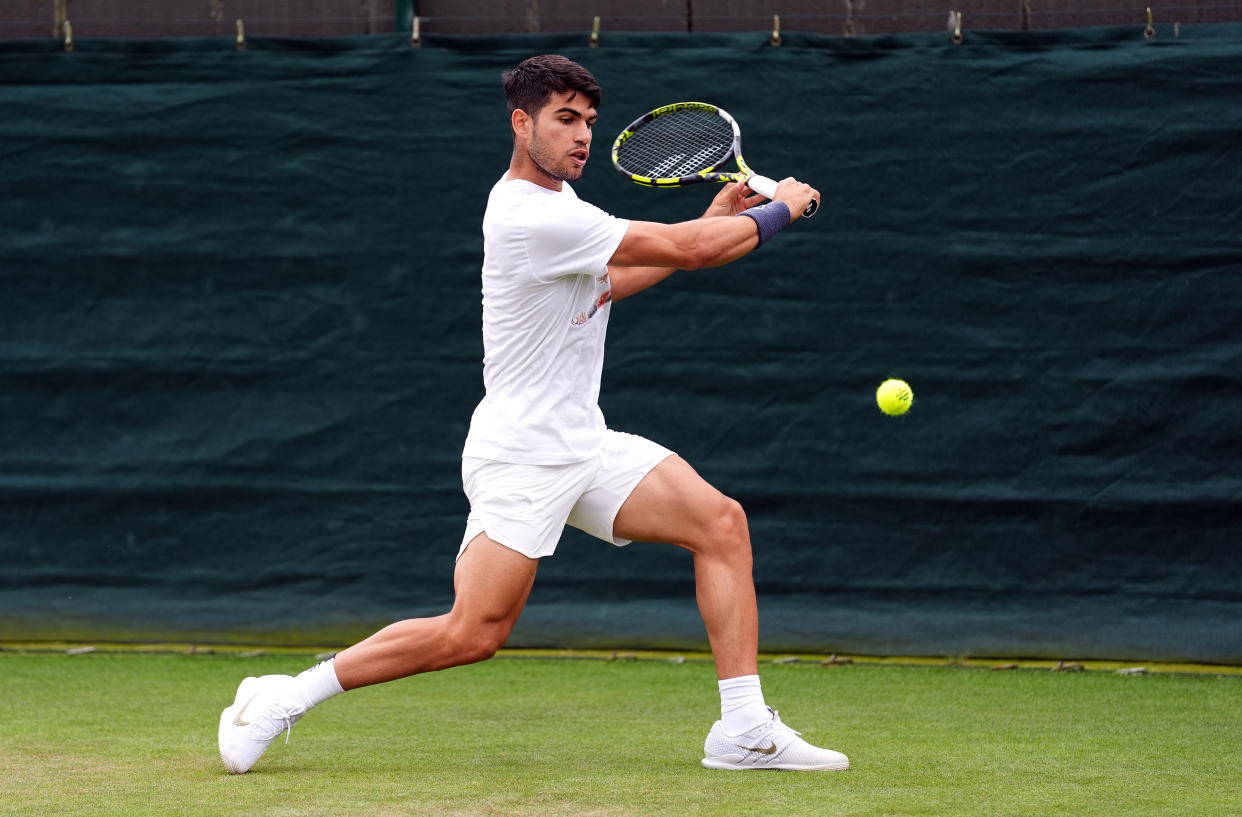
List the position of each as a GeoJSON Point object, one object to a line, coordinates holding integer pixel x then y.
{"type": "Point", "coordinates": [240, 340]}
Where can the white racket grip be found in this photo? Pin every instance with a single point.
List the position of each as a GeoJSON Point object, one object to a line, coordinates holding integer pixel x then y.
{"type": "Point", "coordinates": [767, 188]}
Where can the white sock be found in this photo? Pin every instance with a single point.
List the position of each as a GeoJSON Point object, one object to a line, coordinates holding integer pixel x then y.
{"type": "Point", "coordinates": [741, 704]}
{"type": "Point", "coordinates": [317, 684]}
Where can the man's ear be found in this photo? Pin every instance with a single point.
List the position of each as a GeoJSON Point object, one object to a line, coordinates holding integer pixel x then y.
{"type": "Point", "coordinates": [522, 123]}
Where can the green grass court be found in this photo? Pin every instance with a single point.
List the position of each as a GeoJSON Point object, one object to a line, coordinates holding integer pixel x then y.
{"type": "Point", "coordinates": [133, 733]}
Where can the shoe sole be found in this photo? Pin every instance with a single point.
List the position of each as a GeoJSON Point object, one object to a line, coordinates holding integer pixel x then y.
{"type": "Point", "coordinates": [724, 765]}
{"type": "Point", "coordinates": [226, 722]}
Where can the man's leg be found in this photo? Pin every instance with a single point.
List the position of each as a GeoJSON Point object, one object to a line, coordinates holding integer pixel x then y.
{"type": "Point", "coordinates": [674, 504]}
{"type": "Point", "coordinates": [492, 583]}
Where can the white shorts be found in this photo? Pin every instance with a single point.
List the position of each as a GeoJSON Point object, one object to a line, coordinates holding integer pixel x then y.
{"type": "Point", "coordinates": [526, 507]}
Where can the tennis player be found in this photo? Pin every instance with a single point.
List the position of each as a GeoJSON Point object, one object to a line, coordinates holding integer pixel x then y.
{"type": "Point", "coordinates": [538, 454]}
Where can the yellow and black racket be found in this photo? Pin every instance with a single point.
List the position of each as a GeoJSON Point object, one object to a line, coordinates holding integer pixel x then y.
{"type": "Point", "coordinates": [687, 143]}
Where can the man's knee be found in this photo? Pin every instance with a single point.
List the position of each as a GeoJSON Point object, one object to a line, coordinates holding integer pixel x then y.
{"type": "Point", "coordinates": [727, 532]}
{"type": "Point", "coordinates": [732, 519]}
{"type": "Point", "coordinates": [476, 641]}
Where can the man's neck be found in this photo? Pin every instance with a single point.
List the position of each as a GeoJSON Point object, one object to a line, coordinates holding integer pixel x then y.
{"type": "Point", "coordinates": [523, 169]}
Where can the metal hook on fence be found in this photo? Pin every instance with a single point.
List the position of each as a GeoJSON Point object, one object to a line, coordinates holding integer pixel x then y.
{"type": "Point", "coordinates": [1149, 32]}
{"type": "Point", "coordinates": [594, 40]}
{"type": "Point", "coordinates": [241, 36]}
{"type": "Point", "coordinates": [775, 39]}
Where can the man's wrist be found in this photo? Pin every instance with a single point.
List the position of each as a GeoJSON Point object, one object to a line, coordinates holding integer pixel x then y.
{"type": "Point", "coordinates": [770, 218]}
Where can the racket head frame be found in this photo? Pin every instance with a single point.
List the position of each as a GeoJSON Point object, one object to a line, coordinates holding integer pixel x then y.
{"type": "Point", "coordinates": [712, 173]}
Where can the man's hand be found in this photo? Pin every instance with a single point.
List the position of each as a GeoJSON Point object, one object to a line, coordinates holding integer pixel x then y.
{"type": "Point", "coordinates": [732, 199]}
{"type": "Point", "coordinates": [796, 195]}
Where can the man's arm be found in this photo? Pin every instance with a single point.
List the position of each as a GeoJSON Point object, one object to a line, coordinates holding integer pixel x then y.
{"type": "Point", "coordinates": [651, 252]}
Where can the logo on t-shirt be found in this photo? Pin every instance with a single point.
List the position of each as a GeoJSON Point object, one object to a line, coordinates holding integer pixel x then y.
{"type": "Point", "coordinates": [583, 317]}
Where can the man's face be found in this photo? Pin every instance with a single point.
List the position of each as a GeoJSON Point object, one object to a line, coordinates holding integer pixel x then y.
{"type": "Point", "coordinates": [560, 138]}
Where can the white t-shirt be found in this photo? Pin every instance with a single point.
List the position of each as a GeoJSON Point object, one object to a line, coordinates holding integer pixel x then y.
{"type": "Point", "coordinates": [546, 298]}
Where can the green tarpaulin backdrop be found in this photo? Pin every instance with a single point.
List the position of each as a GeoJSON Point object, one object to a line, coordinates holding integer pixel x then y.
{"type": "Point", "coordinates": [240, 340]}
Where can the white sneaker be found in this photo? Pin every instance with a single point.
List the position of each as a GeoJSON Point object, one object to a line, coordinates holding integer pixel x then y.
{"type": "Point", "coordinates": [259, 713]}
{"type": "Point", "coordinates": [771, 745]}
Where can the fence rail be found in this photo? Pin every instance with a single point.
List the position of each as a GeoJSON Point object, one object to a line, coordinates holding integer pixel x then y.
{"type": "Point", "coordinates": [315, 18]}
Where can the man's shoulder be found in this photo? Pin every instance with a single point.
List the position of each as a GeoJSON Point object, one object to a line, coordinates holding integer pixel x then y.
{"type": "Point", "coordinates": [520, 189]}
{"type": "Point", "coordinates": [522, 202]}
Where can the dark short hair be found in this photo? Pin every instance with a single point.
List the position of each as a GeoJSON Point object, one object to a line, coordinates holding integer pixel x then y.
{"type": "Point", "coordinates": [529, 85]}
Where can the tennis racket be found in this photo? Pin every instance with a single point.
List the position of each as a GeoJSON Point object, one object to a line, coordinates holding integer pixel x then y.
{"type": "Point", "coordinates": [687, 143]}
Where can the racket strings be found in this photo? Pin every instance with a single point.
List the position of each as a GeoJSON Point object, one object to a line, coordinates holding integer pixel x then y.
{"type": "Point", "coordinates": [677, 144]}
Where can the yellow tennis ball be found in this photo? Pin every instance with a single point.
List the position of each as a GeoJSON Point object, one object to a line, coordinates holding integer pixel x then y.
{"type": "Point", "coordinates": [894, 397]}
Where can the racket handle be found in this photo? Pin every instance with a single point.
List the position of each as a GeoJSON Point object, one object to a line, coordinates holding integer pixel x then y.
{"type": "Point", "coordinates": [767, 188]}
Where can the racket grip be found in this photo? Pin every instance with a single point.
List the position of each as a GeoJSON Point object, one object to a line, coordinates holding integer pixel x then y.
{"type": "Point", "coordinates": [767, 188]}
